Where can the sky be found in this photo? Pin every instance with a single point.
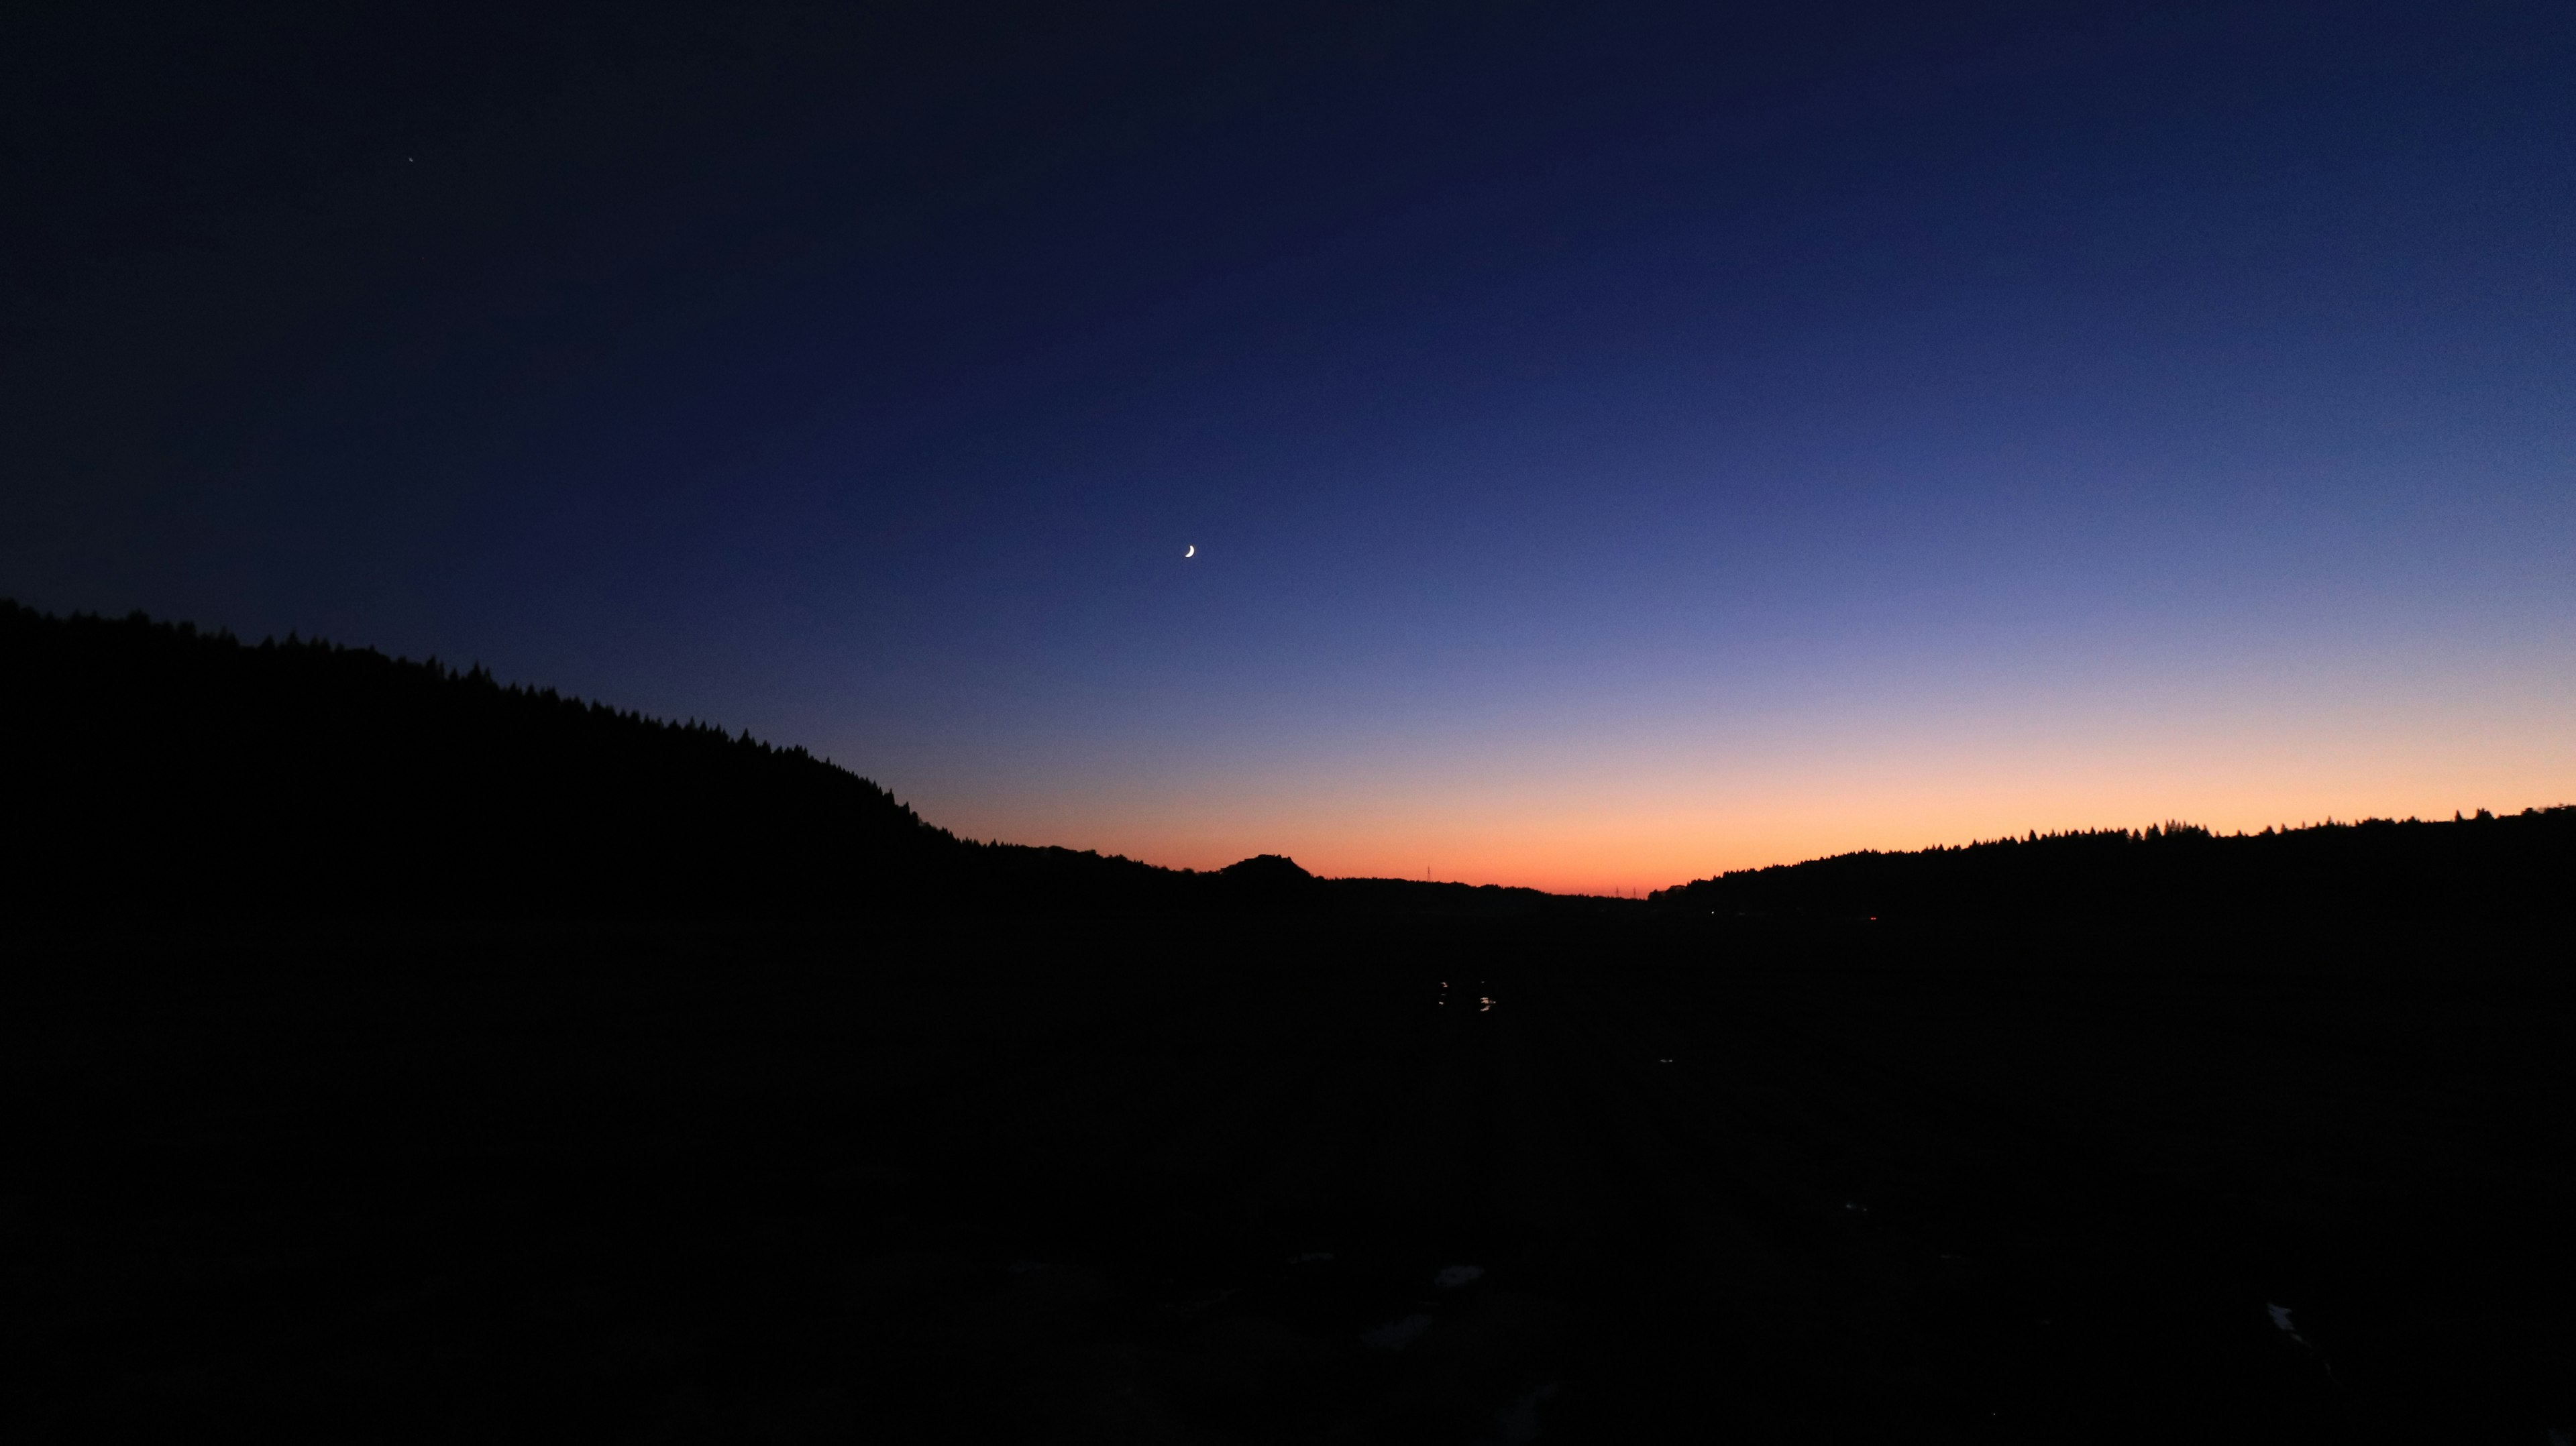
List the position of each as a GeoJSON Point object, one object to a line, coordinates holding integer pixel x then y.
{"type": "Point", "coordinates": [1620, 443]}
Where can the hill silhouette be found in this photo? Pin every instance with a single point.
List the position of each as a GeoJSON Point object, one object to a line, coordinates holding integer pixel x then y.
{"type": "Point", "coordinates": [166, 768]}
{"type": "Point", "coordinates": [161, 769]}
{"type": "Point", "coordinates": [825, 1123]}
{"type": "Point", "coordinates": [2475, 868]}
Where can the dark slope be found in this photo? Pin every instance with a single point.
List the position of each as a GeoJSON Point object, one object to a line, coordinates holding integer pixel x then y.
{"type": "Point", "coordinates": [152, 768]}
{"type": "Point", "coordinates": [2506, 870]}
{"type": "Point", "coordinates": [1053, 1179]}
{"type": "Point", "coordinates": [155, 769]}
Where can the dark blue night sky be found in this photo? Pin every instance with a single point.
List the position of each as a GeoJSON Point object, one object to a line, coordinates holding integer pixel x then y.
{"type": "Point", "coordinates": [1618, 443]}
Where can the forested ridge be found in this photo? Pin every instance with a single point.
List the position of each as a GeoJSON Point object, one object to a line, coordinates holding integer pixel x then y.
{"type": "Point", "coordinates": [156, 765]}
{"type": "Point", "coordinates": [155, 768]}
{"type": "Point", "coordinates": [2470, 868]}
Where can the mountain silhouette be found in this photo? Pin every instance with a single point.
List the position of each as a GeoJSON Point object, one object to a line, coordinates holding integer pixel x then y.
{"type": "Point", "coordinates": [2340, 874]}
{"type": "Point", "coordinates": [671, 1080]}
{"type": "Point", "coordinates": [160, 769]}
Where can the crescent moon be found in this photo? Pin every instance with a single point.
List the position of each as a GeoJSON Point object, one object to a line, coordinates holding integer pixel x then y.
{"type": "Point", "coordinates": [1190, 551]}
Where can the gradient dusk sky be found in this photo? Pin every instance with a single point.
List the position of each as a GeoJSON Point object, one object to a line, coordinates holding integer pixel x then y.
{"type": "Point", "coordinates": [1620, 443]}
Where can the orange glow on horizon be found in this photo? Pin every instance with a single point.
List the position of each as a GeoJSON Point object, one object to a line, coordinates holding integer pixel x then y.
{"type": "Point", "coordinates": [1650, 817]}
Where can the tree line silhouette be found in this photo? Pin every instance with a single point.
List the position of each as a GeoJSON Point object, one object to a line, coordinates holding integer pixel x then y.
{"type": "Point", "coordinates": [160, 767]}
{"type": "Point", "coordinates": [156, 769]}
{"type": "Point", "coordinates": [2468, 869]}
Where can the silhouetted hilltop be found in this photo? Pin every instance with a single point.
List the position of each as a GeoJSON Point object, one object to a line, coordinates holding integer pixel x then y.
{"type": "Point", "coordinates": [2467, 869]}
{"type": "Point", "coordinates": [154, 768]}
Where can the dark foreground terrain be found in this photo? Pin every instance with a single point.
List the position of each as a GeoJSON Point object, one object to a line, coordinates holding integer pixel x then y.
{"type": "Point", "coordinates": [1233, 1181]}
